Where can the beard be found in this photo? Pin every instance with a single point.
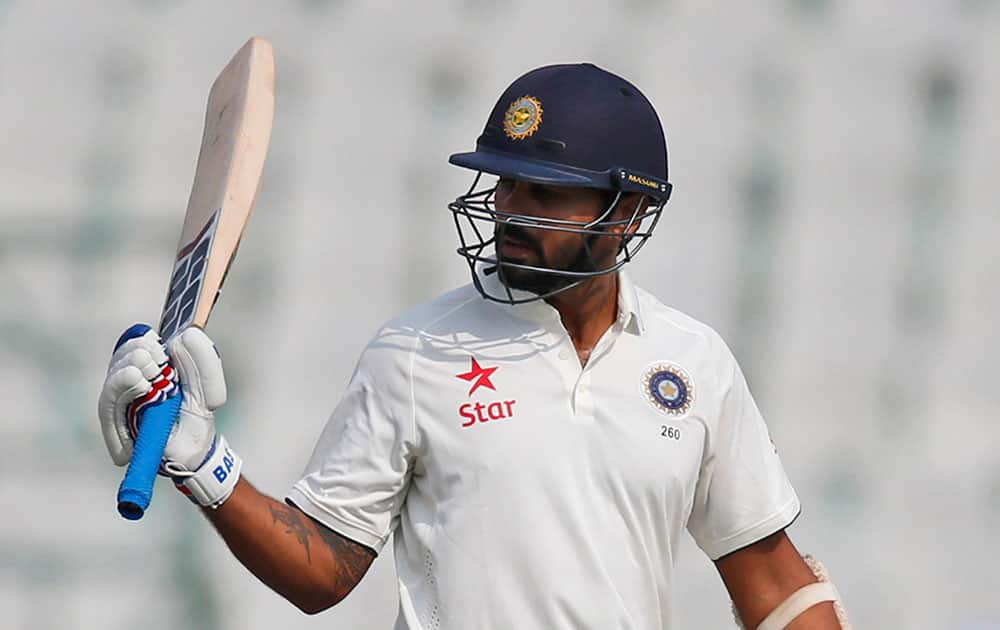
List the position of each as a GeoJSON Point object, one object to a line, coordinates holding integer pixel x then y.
{"type": "Point", "coordinates": [537, 282]}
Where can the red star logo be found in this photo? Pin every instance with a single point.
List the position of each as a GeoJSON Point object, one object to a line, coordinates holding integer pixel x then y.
{"type": "Point", "coordinates": [479, 376]}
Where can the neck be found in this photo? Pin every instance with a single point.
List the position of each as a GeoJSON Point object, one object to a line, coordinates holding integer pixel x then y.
{"type": "Point", "coordinates": [587, 311]}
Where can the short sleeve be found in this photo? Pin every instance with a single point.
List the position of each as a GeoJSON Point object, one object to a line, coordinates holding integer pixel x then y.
{"type": "Point", "coordinates": [743, 494]}
{"type": "Point", "coordinates": [357, 478]}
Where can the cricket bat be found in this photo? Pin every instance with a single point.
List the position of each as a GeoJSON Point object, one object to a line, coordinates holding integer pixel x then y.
{"type": "Point", "coordinates": [233, 147]}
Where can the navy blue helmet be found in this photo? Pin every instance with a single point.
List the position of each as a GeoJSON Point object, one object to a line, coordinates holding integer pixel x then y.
{"type": "Point", "coordinates": [565, 125]}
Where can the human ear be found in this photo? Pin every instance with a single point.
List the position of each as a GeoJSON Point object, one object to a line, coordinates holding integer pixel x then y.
{"type": "Point", "coordinates": [629, 205]}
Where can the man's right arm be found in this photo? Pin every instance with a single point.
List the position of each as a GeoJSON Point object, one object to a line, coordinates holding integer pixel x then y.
{"type": "Point", "coordinates": [305, 562]}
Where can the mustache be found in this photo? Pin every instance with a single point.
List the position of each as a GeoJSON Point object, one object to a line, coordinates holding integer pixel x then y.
{"type": "Point", "coordinates": [516, 233]}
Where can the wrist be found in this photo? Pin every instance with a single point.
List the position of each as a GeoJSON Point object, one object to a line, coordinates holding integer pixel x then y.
{"type": "Point", "coordinates": [213, 482]}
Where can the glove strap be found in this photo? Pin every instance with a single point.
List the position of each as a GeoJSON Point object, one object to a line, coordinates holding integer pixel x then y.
{"type": "Point", "coordinates": [213, 482]}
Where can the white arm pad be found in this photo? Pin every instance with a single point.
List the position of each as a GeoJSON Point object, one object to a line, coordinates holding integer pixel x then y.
{"type": "Point", "coordinates": [799, 602]}
{"type": "Point", "coordinates": [803, 599]}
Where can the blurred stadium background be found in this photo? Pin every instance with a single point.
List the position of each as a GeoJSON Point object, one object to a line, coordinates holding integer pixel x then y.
{"type": "Point", "coordinates": [835, 218]}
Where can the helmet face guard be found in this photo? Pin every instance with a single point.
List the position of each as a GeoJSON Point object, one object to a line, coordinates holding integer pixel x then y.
{"type": "Point", "coordinates": [477, 222]}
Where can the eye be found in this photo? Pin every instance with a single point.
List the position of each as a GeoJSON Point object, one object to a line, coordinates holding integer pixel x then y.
{"type": "Point", "coordinates": [544, 193]}
{"type": "Point", "coordinates": [505, 186]}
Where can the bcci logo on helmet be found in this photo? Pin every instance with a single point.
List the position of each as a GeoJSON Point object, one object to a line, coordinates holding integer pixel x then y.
{"type": "Point", "coordinates": [522, 118]}
{"type": "Point", "coordinates": [668, 389]}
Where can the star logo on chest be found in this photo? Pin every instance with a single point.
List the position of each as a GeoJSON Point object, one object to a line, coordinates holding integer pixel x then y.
{"type": "Point", "coordinates": [478, 376]}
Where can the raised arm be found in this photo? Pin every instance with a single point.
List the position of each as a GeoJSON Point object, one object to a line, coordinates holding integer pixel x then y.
{"type": "Point", "coordinates": [309, 565]}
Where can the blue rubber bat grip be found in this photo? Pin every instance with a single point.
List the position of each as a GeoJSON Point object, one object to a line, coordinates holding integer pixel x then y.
{"type": "Point", "coordinates": [136, 491]}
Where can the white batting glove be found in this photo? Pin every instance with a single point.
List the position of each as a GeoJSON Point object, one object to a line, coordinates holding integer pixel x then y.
{"type": "Point", "coordinates": [142, 371]}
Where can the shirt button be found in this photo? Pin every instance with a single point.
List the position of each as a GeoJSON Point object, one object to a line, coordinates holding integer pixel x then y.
{"type": "Point", "coordinates": [583, 389]}
{"type": "Point", "coordinates": [564, 354]}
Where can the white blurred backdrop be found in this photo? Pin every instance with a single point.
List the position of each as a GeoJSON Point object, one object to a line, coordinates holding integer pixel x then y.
{"type": "Point", "coordinates": [835, 217]}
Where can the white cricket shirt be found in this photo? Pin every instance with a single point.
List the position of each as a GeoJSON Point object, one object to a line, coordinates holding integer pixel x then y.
{"type": "Point", "coordinates": [527, 492]}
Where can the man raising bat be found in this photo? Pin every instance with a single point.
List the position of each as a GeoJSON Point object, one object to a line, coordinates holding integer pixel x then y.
{"type": "Point", "coordinates": [233, 147]}
{"type": "Point", "coordinates": [537, 440]}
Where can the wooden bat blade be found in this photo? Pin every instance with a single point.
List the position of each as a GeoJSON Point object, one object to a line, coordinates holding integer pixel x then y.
{"type": "Point", "coordinates": [234, 144]}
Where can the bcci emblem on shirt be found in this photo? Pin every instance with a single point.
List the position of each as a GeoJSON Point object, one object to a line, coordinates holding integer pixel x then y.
{"type": "Point", "coordinates": [668, 389]}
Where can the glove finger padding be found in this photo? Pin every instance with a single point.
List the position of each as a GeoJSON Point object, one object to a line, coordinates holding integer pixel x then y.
{"type": "Point", "coordinates": [141, 359]}
{"type": "Point", "coordinates": [136, 366]}
{"type": "Point", "coordinates": [122, 386]}
{"type": "Point", "coordinates": [199, 369]}
{"type": "Point", "coordinates": [199, 372]}
{"type": "Point", "coordinates": [148, 341]}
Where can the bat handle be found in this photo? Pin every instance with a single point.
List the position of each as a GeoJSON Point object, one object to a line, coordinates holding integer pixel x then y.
{"type": "Point", "coordinates": [136, 490]}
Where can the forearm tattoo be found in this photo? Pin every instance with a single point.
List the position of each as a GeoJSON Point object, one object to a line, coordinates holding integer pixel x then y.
{"type": "Point", "coordinates": [292, 520]}
{"type": "Point", "coordinates": [352, 559]}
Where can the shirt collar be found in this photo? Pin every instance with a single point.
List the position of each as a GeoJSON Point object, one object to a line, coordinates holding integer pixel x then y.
{"type": "Point", "coordinates": [540, 311]}
{"type": "Point", "coordinates": [629, 315]}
